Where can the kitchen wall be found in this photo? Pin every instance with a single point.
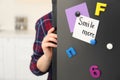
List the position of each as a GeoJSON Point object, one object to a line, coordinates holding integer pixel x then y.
{"type": "Point", "coordinates": [32, 9]}
{"type": "Point", "coordinates": [16, 47]}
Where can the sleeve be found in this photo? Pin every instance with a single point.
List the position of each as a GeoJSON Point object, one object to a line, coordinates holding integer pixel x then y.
{"type": "Point", "coordinates": [42, 26]}
{"type": "Point", "coordinates": [41, 30]}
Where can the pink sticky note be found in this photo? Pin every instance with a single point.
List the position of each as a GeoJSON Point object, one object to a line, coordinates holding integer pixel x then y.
{"type": "Point", "coordinates": [70, 13]}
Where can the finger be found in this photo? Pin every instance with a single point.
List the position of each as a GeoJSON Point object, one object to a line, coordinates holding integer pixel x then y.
{"type": "Point", "coordinates": [49, 44]}
{"type": "Point", "coordinates": [52, 35]}
{"type": "Point", "coordinates": [50, 39]}
{"type": "Point", "coordinates": [53, 40]}
{"type": "Point", "coordinates": [51, 30]}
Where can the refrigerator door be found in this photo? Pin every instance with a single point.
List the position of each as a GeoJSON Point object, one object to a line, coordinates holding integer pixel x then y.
{"type": "Point", "coordinates": [88, 40]}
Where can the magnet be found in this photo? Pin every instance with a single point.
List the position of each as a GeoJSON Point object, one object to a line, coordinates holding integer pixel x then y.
{"type": "Point", "coordinates": [71, 52]}
{"type": "Point", "coordinates": [109, 46]}
{"type": "Point", "coordinates": [100, 7]}
{"type": "Point", "coordinates": [94, 71]}
{"type": "Point", "coordinates": [93, 42]}
{"type": "Point", "coordinates": [77, 13]}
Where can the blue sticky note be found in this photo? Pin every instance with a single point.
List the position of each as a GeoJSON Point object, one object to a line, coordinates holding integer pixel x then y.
{"type": "Point", "coordinates": [70, 13]}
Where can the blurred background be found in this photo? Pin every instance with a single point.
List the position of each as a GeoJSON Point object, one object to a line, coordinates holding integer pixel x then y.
{"type": "Point", "coordinates": [17, 34]}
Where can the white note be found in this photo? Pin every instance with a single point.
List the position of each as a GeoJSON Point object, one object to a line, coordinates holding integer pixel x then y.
{"type": "Point", "coordinates": [85, 28]}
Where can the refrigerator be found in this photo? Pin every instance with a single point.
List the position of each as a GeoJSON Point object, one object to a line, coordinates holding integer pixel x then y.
{"type": "Point", "coordinates": [88, 40]}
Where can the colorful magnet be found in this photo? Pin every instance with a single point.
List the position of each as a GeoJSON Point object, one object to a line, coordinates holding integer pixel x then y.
{"type": "Point", "coordinates": [93, 42]}
{"type": "Point", "coordinates": [100, 7]}
{"type": "Point", "coordinates": [71, 52]}
{"type": "Point", "coordinates": [70, 13]}
{"type": "Point", "coordinates": [109, 46]}
{"type": "Point", "coordinates": [77, 13]}
{"type": "Point", "coordinates": [94, 71]}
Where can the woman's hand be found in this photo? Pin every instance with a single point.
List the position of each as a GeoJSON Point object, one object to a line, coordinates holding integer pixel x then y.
{"type": "Point", "coordinates": [49, 42]}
